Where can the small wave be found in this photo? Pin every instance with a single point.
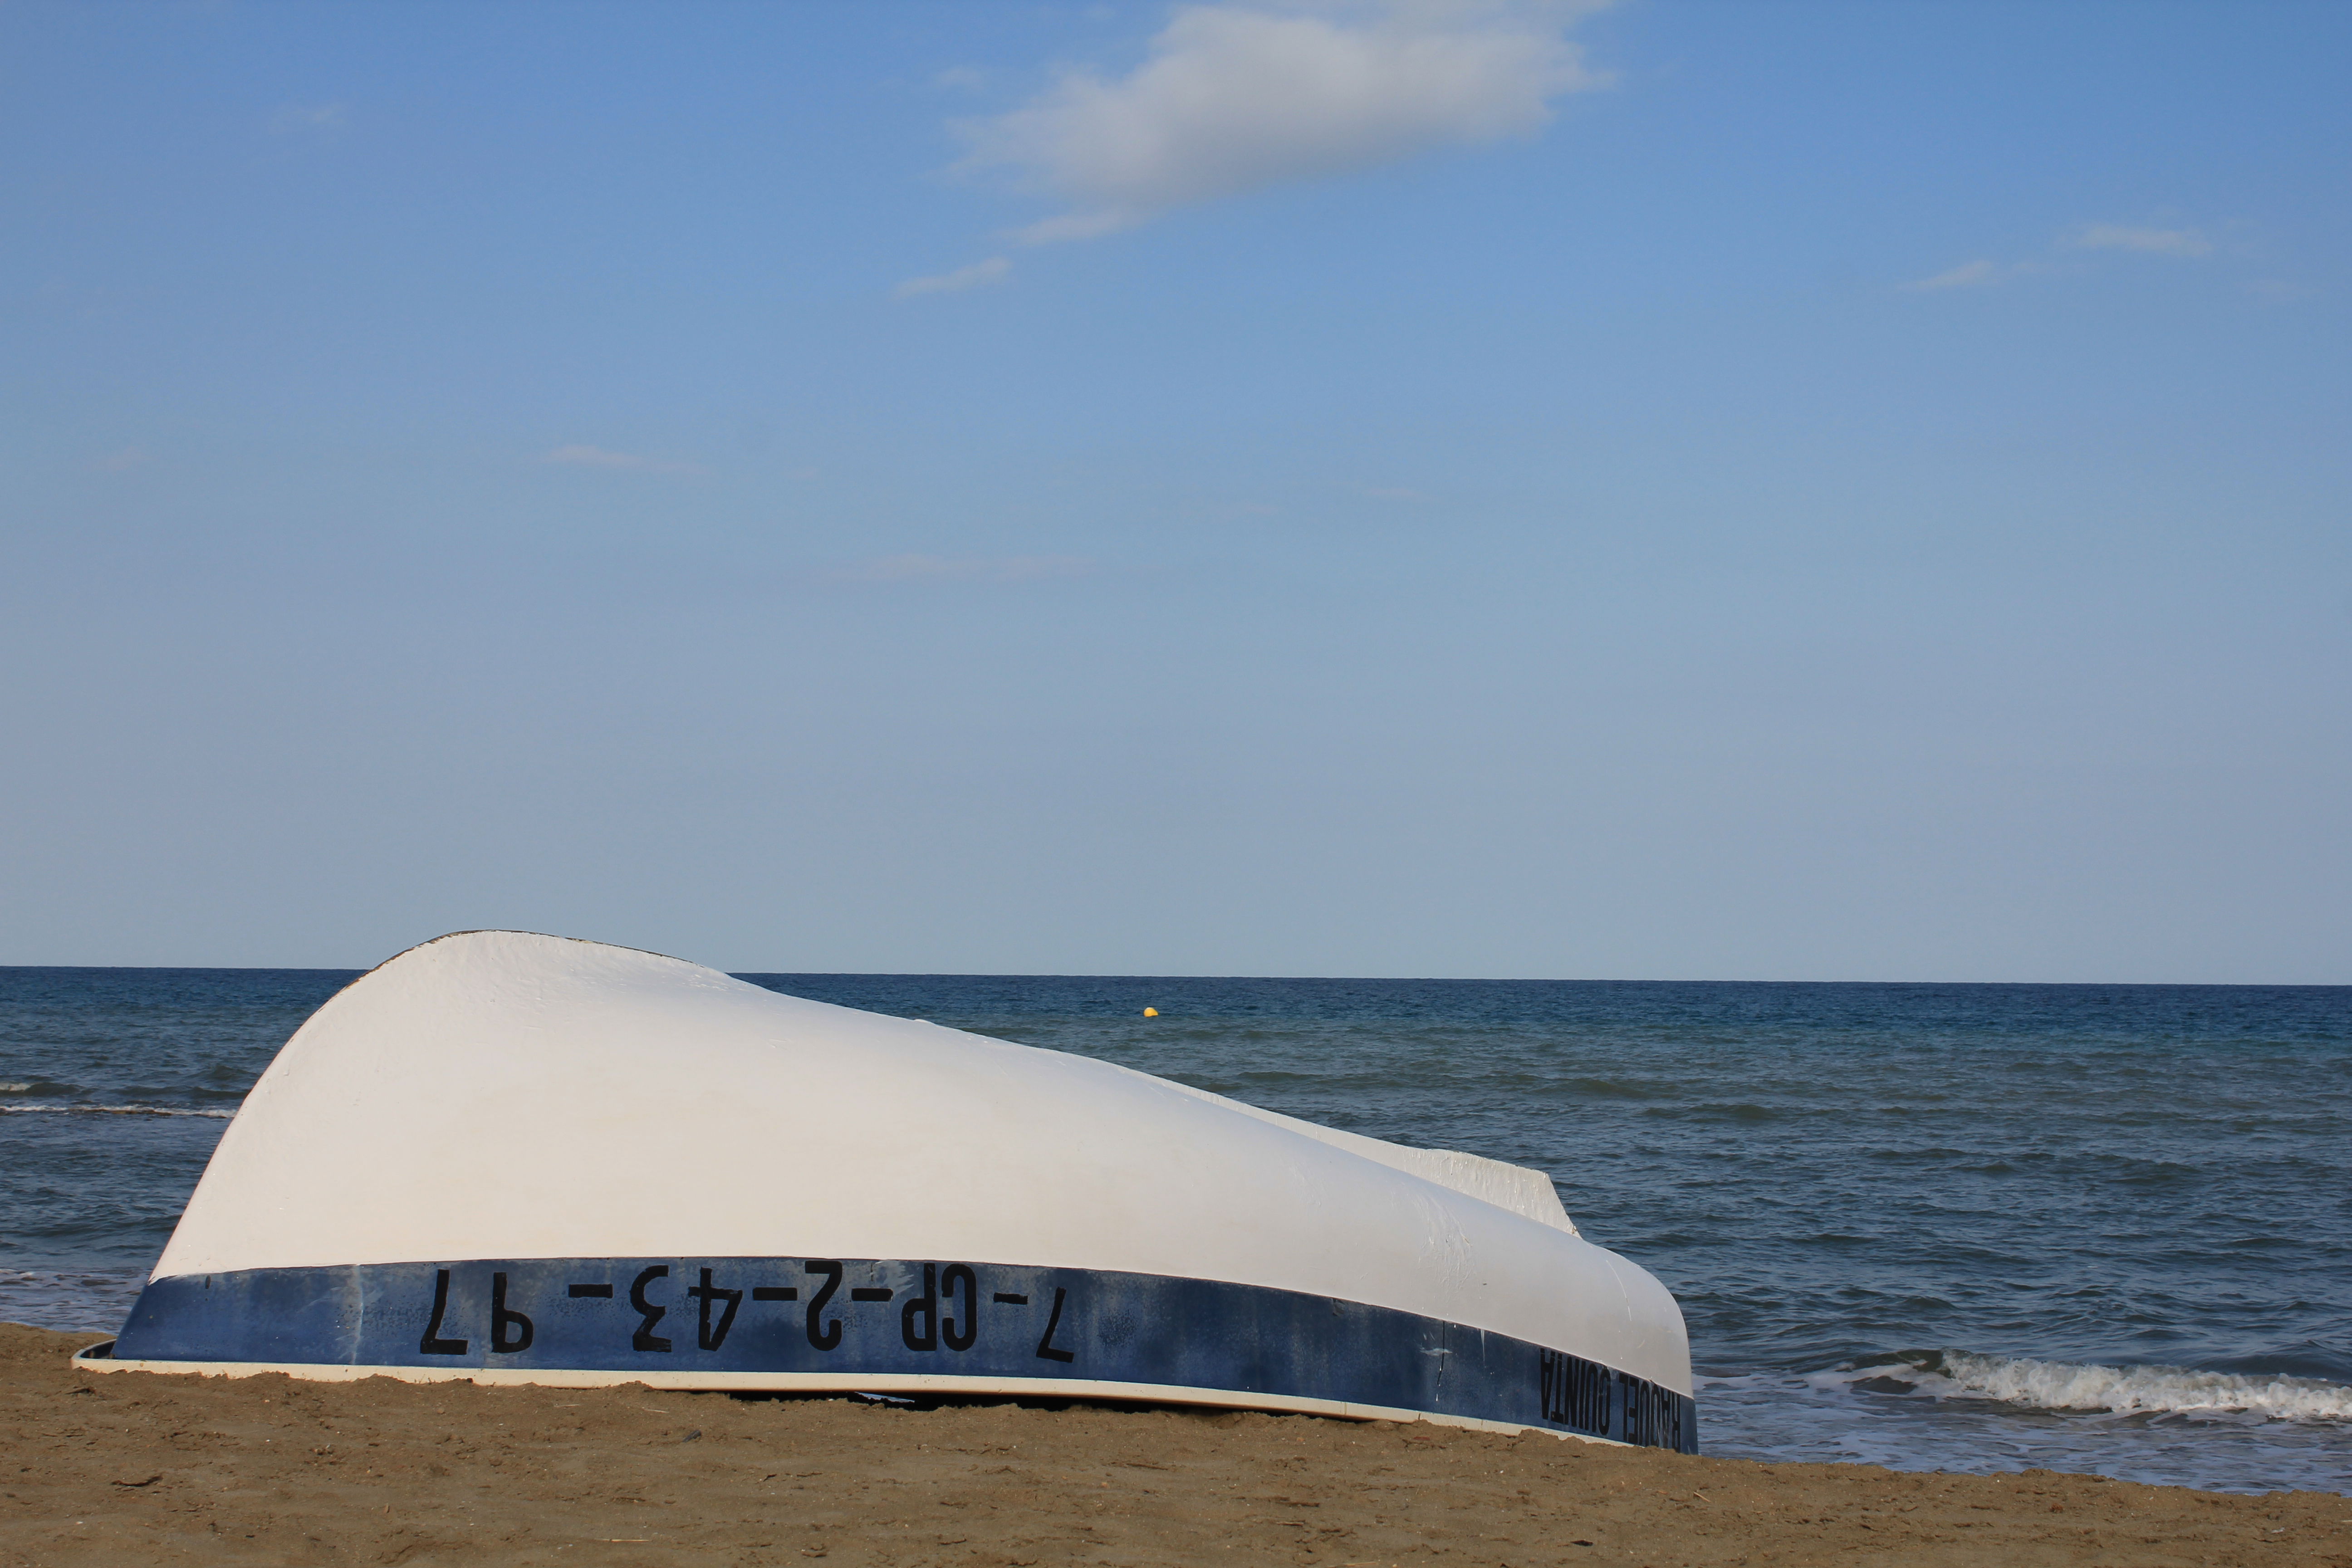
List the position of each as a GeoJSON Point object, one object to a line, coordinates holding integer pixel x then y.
{"type": "Point", "coordinates": [14, 1087]}
{"type": "Point", "coordinates": [73, 1299]}
{"type": "Point", "coordinates": [111, 1110]}
{"type": "Point", "coordinates": [2121, 1390]}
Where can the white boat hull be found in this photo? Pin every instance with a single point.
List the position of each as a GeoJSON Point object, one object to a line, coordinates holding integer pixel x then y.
{"type": "Point", "coordinates": [521, 1159]}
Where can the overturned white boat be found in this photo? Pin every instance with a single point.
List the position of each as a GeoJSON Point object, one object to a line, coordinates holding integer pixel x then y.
{"type": "Point", "coordinates": [514, 1158]}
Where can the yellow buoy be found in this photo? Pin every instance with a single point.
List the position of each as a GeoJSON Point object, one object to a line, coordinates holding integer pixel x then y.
{"type": "Point", "coordinates": [1151, 1012]}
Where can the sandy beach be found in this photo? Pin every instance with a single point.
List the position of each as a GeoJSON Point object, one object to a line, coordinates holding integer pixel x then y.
{"type": "Point", "coordinates": [136, 1468]}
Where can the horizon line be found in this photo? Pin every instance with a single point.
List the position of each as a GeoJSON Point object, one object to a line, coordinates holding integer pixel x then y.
{"type": "Point", "coordinates": [1343, 979]}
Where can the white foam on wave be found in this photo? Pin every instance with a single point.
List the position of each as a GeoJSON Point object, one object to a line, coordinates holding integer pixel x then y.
{"type": "Point", "coordinates": [2119, 1390]}
{"type": "Point", "coordinates": [14, 1087]}
{"type": "Point", "coordinates": [112, 1111]}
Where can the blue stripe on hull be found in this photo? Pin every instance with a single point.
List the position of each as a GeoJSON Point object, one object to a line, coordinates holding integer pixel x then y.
{"type": "Point", "coordinates": [850, 1317]}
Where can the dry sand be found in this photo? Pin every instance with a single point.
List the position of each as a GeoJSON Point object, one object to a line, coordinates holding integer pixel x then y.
{"type": "Point", "coordinates": [132, 1469]}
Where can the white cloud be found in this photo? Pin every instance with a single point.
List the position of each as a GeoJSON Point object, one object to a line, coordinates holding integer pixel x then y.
{"type": "Point", "coordinates": [995, 270]}
{"type": "Point", "coordinates": [291, 117]}
{"type": "Point", "coordinates": [2186, 242]}
{"type": "Point", "coordinates": [2154, 241]}
{"type": "Point", "coordinates": [1235, 96]}
{"type": "Point", "coordinates": [598, 458]}
{"type": "Point", "coordinates": [1967, 275]}
{"type": "Point", "coordinates": [985, 569]}
{"type": "Point", "coordinates": [129, 458]}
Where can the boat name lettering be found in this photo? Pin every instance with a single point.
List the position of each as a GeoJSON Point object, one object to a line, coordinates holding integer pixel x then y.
{"type": "Point", "coordinates": [1586, 1397]}
{"type": "Point", "coordinates": [433, 1343]}
{"type": "Point", "coordinates": [830, 1335]}
{"type": "Point", "coordinates": [1047, 1350]}
{"type": "Point", "coordinates": [503, 1318]}
{"type": "Point", "coordinates": [945, 1312]}
{"type": "Point", "coordinates": [707, 1337]}
{"type": "Point", "coordinates": [645, 1339]}
{"type": "Point", "coordinates": [1574, 1392]}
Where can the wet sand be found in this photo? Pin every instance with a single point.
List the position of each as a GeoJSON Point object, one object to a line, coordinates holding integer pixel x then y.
{"type": "Point", "coordinates": [131, 1469]}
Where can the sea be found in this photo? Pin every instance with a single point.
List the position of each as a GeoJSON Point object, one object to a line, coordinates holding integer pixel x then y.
{"type": "Point", "coordinates": [2098, 1228]}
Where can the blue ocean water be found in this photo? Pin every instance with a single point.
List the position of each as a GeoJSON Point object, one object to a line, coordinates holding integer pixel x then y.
{"type": "Point", "coordinates": [1968, 1228]}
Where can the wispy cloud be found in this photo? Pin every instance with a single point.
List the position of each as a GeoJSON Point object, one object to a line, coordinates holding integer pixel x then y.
{"type": "Point", "coordinates": [1380, 492]}
{"type": "Point", "coordinates": [2180, 242]}
{"type": "Point", "coordinates": [995, 270]}
{"type": "Point", "coordinates": [968, 568]}
{"type": "Point", "coordinates": [129, 458]}
{"type": "Point", "coordinates": [289, 118]}
{"type": "Point", "coordinates": [2151, 241]}
{"type": "Point", "coordinates": [1967, 275]}
{"type": "Point", "coordinates": [598, 458]}
{"type": "Point", "coordinates": [1236, 97]}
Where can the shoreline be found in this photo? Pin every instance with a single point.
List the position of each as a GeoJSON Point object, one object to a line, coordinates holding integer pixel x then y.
{"type": "Point", "coordinates": [131, 1469]}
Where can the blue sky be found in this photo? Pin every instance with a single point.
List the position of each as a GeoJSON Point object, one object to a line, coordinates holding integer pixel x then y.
{"type": "Point", "coordinates": [1669, 491]}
